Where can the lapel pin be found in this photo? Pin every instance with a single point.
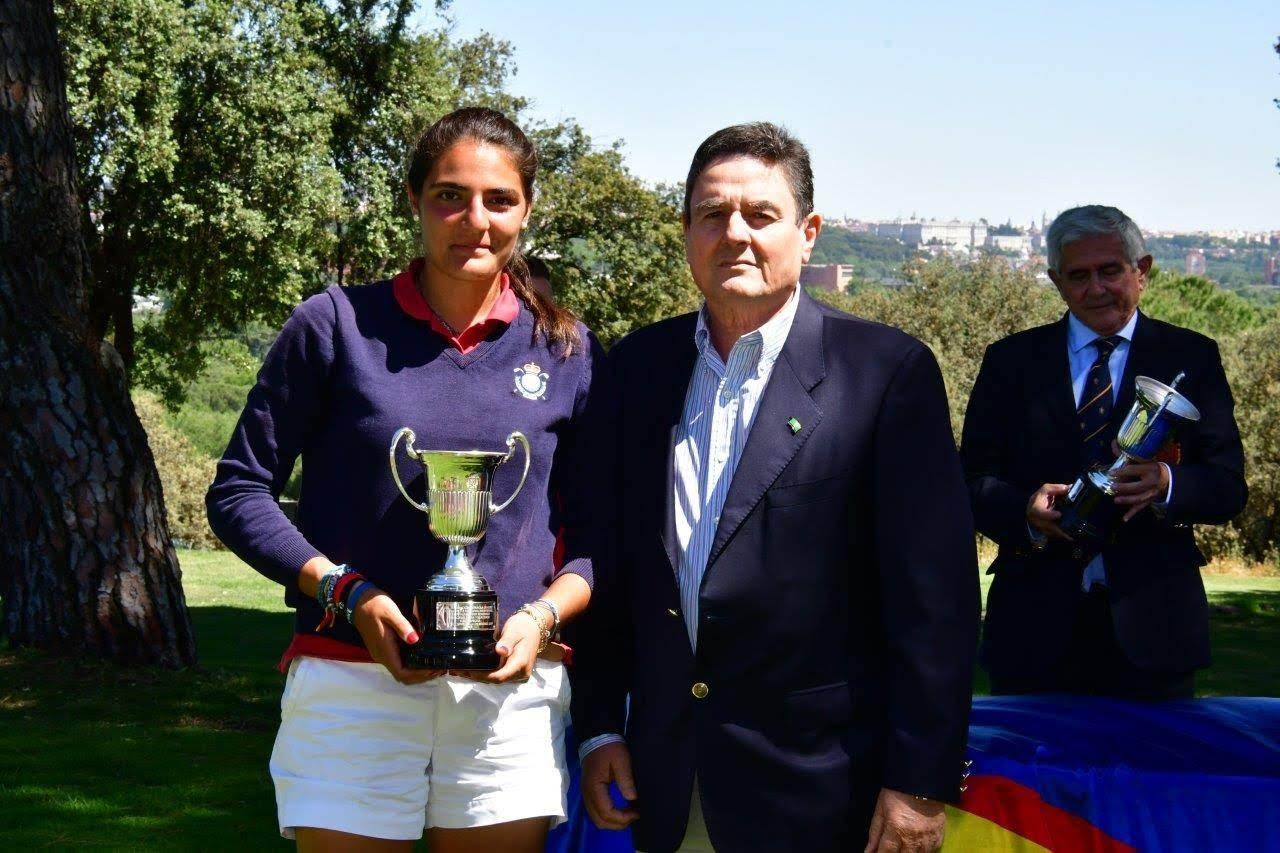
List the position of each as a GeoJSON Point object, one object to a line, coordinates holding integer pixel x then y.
{"type": "Point", "coordinates": [794, 425]}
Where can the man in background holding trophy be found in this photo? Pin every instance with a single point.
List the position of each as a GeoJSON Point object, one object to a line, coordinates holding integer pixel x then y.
{"type": "Point", "coordinates": [1097, 583]}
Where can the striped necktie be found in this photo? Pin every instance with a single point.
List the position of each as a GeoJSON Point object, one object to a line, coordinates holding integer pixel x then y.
{"type": "Point", "coordinates": [1095, 403]}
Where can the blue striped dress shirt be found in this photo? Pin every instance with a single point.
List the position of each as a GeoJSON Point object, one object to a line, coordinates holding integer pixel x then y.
{"type": "Point", "coordinates": [719, 408]}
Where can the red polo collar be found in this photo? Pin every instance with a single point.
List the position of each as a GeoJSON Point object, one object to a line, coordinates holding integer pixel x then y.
{"type": "Point", "coordinates": [504, 311]}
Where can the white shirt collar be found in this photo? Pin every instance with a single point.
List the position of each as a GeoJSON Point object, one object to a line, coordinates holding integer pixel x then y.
{"type": "Point", "coordinates": [771, 336]}
{"type": "Point", "coordinates": [1080, 336]}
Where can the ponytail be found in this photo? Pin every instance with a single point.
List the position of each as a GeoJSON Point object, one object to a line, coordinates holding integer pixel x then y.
{"type": "Point", "coordinates": [557, 325]}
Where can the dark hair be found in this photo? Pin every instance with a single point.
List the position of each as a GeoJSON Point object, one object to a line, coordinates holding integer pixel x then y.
{"type": "Point", "coordinates": [762, 141]}
{"type": "Point", "coordinates": [556, 324]}
{"type": "Point", "coordinates": [537, 267]}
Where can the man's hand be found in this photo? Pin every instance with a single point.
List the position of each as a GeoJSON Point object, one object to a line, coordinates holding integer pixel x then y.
{"type": "Point", "coordinates": [1140, 484]}
{"type": "Point", "coordinates": [1040, 512]}
{"type": "Point", "coordinates": [905, 824]}
{"type": "Point", "coordinates": [604, 764]}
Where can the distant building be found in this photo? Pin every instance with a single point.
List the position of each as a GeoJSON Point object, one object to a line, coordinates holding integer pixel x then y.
{"type": "Point", "coordinates": [1195, 262]}
{"type": "Point", "coordinates": [1271, 270]}
{"type": "Point", "coordinates": [1020, 244]}
{"type": "Point", "coordinates": [833, 277]}
{"type": "Point", "coordinates": [953, 234]}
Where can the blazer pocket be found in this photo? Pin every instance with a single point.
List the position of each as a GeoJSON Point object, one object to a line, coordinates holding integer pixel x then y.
{"type": "Point", "coordinates": [826, 704]}
{"type": "Point", "coordinates": [804, 493]}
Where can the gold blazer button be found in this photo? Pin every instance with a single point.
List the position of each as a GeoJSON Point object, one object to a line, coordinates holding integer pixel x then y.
{"type": "Point", "coordinates": [700, 690]}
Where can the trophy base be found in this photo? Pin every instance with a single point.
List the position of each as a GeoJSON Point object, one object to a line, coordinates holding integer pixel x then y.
{"type": "Point", "coordinates": [471, 658]}
{"type": "Point", "coordinates": [457, 630]}
{"type": "Point", "coordinates": [1090, 514]}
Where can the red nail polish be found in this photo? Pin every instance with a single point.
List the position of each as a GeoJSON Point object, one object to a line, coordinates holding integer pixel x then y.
{"type": "Point", "coordinates": [412, 639]}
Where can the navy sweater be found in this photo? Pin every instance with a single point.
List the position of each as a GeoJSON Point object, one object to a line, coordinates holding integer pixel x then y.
{"type": "Point", "coordinates": [348, 370]}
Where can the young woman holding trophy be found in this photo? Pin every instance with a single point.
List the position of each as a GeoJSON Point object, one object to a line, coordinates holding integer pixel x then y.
{"type": "Point", "coordinates": [391, 720]}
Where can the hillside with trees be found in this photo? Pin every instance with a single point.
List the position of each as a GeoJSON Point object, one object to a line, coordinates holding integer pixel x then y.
{"type": "Point", "coordinates": [874, 259]}
{"type": "Point", "coordinates": [1237, 265]}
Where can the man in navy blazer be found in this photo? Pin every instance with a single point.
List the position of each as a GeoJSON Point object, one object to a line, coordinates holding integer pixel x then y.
{"type": "Point", "coordinates": [794, 612]}
{"type": "Point", "coordinates": [1130, 619]}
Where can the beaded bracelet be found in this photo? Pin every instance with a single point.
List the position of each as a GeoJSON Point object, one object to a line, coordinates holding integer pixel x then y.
{"type": "Point", "coordinates": [544, 634]}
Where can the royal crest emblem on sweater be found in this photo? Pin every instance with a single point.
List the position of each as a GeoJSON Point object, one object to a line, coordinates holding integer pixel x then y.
{"type": "Point", "coordinates": [531, 381]}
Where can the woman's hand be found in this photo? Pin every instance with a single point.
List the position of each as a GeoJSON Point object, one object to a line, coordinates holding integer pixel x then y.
{"type": "Point", "coordinates": [382, 626]}
{"type": "Point", "coordinates": [518, 648]}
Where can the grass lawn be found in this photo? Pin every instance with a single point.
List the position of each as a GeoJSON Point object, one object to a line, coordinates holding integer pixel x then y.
{"type": "Point", "coordinates": [118, 758]}
{"type": "Point", "coordinates": [129, 758]}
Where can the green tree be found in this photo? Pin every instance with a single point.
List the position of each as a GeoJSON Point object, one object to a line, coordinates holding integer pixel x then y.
{"type": "Point", "coordinates": [205, 164]}
{"type": "Point", "coordinates": [1199, 304]}
{"type": "Point", "coordinates": [873, 258]}
{"type": "Point", "coordinates": [390, 83]}
{"type": "Point", "coordinates": [241, 154]}
{"type": "Point", "coordinates": [1252, 362]}
{"type": "Point", "coordinates": [615, 246]}
{"type": "Point", "coordinates": [958, 309]}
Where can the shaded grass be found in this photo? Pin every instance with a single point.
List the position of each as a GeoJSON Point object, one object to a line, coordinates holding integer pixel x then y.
{"type": "Point", "coordinates": [111, 758]}
{"type": "Point", "coordinates": [118, 758]}
{"type": "Point", "coordinates": [1244, 626]}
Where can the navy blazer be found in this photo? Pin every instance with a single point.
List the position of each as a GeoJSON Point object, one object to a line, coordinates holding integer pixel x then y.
{"type": "Point", "coordinates": [838, 615]}
{"type": "Point", "coordinates": [1021, 431]}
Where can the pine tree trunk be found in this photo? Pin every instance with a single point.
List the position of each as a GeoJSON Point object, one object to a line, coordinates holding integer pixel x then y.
{"type": "Point", "coordinates": [86, 564]}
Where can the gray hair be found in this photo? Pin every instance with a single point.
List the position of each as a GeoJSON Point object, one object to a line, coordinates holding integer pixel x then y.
{"type": "Point", "coordinates": [1091, 220]}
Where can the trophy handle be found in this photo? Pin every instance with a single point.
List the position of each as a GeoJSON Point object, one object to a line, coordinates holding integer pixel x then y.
{"type": "Point", "coordinates": [511, 450]}
{"type": "Point", "coordinates": [407, 434]}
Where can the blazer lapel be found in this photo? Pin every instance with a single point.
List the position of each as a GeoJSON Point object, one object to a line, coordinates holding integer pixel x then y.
{"type": "Point", "coordinates": [1141, 362]}
{"type": "Point", "coordinates": [668, 405]}
{"type": "Point", "coordinates": [771, 444]}
{"type": "Point", "coordinates": [1060, 397]}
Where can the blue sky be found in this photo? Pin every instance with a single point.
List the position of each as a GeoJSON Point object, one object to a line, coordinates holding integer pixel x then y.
{"type": "Point", "coordinates": [942, 109]}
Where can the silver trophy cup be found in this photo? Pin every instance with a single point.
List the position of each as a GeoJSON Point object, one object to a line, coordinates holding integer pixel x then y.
{"type": "Point", "coordinates": [1159, 413]}
{"type": "Point", "coordinates": [457, 610]}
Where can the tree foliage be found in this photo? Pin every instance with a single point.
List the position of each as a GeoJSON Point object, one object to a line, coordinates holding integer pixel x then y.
{"type": "Point", "coordinates": [237, 155]}
{"type": "Point", "coordinates": [873, 258]}
{"type": "Point", "coordinates": [958, 308]}
{"type": "Point", "coordinates": [615, 246]}
{"type": "Point", "coordinates": [1252, 362]}
{"type": "Point", "coordinates": [185, 474]}
{"type": "Point", "coordinates": [392, 82]}
{"type": "Point", "coordinates": [203, 137]}
{"type": "Point", "coordinates": [1199, 304]}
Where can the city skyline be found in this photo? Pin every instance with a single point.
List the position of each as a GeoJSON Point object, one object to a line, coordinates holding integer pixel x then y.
{"type": "Point", "coordinates": [1165, 110]}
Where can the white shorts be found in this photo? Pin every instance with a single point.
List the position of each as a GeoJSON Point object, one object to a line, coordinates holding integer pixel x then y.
{"type": "Point", "coordinates": [359, 752]}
